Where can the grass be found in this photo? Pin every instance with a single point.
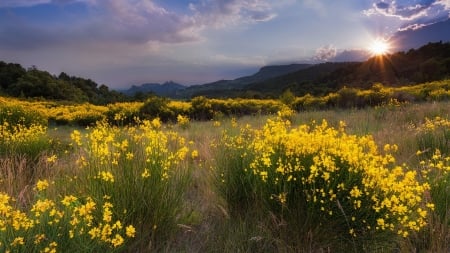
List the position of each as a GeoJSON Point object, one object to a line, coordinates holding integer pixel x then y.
{"type": "Point", "coordinates": [190, 213]}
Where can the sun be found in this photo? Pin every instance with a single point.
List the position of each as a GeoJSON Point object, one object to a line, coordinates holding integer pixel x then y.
{"type": "Point", "coordinates": [379, 47]}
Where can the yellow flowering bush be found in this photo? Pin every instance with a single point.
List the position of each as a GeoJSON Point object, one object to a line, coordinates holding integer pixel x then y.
{"type": "Point", "coordinates": [183, 121]}
{"type": "Point", "coordinates": [141, 170]}
{"type": "Point", "coordinates": [123, 113]}
{"type": "Point", "coordinates": [70, 224]}
{"type": "Point", "coordinates": [436, 171]}
{"type": "Point", "coordinates": [434, 134]}
{"type": "Point", "coordinates": [21, 139]}
{"type": "Point", "coordinates": [319, 176]}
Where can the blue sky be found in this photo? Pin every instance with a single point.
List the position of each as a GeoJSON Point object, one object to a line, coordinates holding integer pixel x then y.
{"type": "Point", "coordinates": [125, 42]}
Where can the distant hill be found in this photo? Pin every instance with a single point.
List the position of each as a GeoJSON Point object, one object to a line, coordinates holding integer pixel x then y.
{"type": "Point", "coordinates": [299, 80]}
{"type": "Point", "coordinates": [428, 63]}
{"type": "Point", "coordinates": [17, 81]}
{"type": "Point", "coordinates": [224, 87]}
{"type": "Point", "coordinates": [167, 89]}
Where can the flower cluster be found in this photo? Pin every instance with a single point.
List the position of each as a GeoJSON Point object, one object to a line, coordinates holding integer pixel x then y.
{"type": "Point", "coordinates": [335, 174]}
{"type": "Point", "coordinates": [51, 226]}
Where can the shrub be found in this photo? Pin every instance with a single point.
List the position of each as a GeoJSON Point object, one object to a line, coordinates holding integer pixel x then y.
{"type": "Point", "coordinates": [23, 140]}
{"type": "Point", "coordinates": [141, 171]}
{"type": "Point", "coordinates": [434, 134]}
{"type": "Point", "coordinates": [69, 224]}
{"type": "Point", "coordinates": [320, 180]}
{"type": "Point", "coordinates": [157, 107]}
{"type": "Point", "coordinates": [16, 114]}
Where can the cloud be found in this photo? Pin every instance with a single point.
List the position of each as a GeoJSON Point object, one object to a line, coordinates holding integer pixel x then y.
{"type": "Point", "coordinates": [412, 14]}
{"type": "Point", "coordinates": [411, 27]}
{"type": "Point", "coordinates": [127, 22]}
{"type": "Point", "coordinates": [219, 13]}
{"type": "Point", "coordinates": [402, 12]}
{"type": "Point", "coordinates": [325, 53]}
{"type": "Point", "coordinates": [22, 3]}
{"type": "Point", "coordinates": [382, 5]}
{"type": "Point", "coordinates": [29, 3]}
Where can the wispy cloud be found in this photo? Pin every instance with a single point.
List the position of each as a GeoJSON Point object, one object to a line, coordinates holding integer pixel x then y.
{"type": "Point", "coordinates": [22, 3]}
{"type": "Point", "coordinates": [413, 14]}
{"type": "Point", "coordinates": [325, 53]}
{"type": "Point", "coordinates": [28, 3]}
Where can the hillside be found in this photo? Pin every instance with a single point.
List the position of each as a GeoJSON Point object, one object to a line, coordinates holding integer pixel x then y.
{"type": "Point", "coordinates": [299, 80]}
{"type": "Point", "coordinates": [167, 89]}
{"type": "Point", "coordinates": [17, 81]}
{"type": "Point", "coordinates": [428, 63]}
{"type": "Point", "coordinates": [224, 88]}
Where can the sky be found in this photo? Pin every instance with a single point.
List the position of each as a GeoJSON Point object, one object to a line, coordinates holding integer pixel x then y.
{"type": "Point", "coordinates": [129, 42]}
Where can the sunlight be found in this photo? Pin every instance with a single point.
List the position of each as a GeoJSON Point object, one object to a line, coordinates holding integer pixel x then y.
{"type": "Point", "coordinates": [379, 47]}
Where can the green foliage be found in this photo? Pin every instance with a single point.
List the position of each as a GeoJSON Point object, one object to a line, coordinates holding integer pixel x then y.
{"type": "Point", "coordinates": [34, 83]}
{"type": "Point", "coordinates": [157, 107]}
{"type": "Point", "coordinates": [201, 108]}
{"type": "Point", "coordinates": [287, 97]}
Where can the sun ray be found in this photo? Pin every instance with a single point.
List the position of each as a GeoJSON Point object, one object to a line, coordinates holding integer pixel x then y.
{"type": "Point", "coordinates": [379, 47]}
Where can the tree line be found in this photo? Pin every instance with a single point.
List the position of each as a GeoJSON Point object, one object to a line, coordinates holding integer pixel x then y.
{"type": "Point", "coordinates": [17, 81]}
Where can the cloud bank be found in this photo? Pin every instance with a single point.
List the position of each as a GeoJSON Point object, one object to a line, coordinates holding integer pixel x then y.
{"type": "Point", "coordinates": [126, 21]}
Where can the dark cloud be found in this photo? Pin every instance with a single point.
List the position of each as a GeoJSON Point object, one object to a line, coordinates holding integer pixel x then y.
{"type": "Point", "coordinates": [129, 22]}
{"type": "Point", "coordinates": [113, 21]}
{"type": "Point", "coordinates": [382, 5]}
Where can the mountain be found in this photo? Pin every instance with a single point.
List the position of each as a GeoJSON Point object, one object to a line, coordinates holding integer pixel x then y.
{"type": "Point", "coordinates": [223, 87]}
{"type": "Point", "coordinates": [355, 55]}
{"type": "Point", "coordinates": [428, 63]}
{"type": "Point", "coordinates": [167, 89]}
{"type": "Point", "coordinates": [296, 80]}
{"type": "Point", "coordinates": [414, 38]}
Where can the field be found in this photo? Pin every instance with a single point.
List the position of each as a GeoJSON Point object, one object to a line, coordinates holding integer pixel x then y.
{"type": "Point", "coordinates": [374, 179]}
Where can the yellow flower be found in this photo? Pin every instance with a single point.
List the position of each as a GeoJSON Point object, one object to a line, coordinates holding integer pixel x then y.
{"type": "Point", "coordinates": [106, 176]}
{"type": "Point", "coordinates": [52, 159]}
{"type": "Point", "coordinates": [18, 241]}
{"type": "Point", "coordinates": [94, 232]}
{"type": "Point", "coordinates": [42, 185]}
{"type": "Point", "coordinates": [355, 192]}
{"type": "Point", "coordinates": [68, 200]}
{"type": "Point", "coordinates": [129, 156]}
{"type": "Point", "coordinates": [145, 174]}
{"type": "Point", "coordinates": [194, 154]}
{"type": "Point", "coordinates": [117, 241]}
{"type": "Point", "coordinates": [130, 231]}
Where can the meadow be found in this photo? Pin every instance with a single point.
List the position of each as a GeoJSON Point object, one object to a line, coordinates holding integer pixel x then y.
{"type": "Point", "coordinates": [84, 178]}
